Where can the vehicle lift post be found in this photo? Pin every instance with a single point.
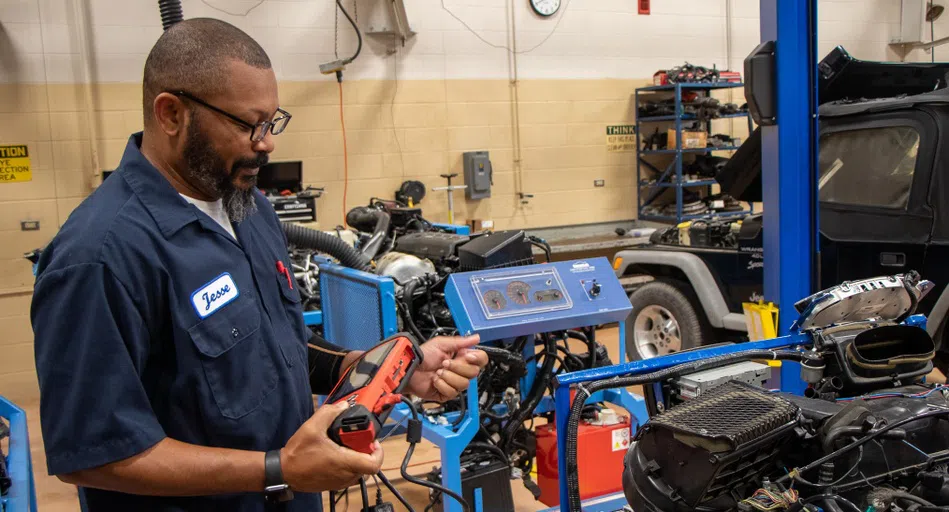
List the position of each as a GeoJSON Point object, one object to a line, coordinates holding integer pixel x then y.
{"type": "Point", "coordinates": [789, 170]}
{"type": "Point", "coordinates": [789, 162]}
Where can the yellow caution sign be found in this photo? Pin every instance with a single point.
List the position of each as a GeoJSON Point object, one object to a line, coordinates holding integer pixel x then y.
{"type": "Point", "coordinates": [15, 164]}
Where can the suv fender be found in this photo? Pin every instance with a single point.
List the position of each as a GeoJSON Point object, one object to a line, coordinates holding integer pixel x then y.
{"type": "Point", "coordinates": [699, 278]}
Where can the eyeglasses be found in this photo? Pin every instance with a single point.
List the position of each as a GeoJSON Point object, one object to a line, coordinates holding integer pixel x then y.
{"type": "Point", "coordinates": [257, 131]}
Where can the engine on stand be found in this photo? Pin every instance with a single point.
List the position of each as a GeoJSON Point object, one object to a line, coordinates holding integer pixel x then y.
{"type": "Point", "coordinates": [868, 435]}
{"type": "Point", "coordinates": [392, 240]}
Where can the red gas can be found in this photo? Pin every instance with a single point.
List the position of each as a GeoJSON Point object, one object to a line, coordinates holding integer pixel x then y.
{"type": "Point", "coordinates": [600, 452]}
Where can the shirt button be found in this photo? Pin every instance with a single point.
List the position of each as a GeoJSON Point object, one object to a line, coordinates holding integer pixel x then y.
{"type": "Point", "coordinates": [235, 333]}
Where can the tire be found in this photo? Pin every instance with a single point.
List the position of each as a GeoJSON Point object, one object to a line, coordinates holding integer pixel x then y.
{"type": "Point", "coordinates": [665, 319]}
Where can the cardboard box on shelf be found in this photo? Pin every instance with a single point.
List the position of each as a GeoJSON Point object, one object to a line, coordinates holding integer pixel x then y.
{"type": "Point", "coordinates": [690, 140]}
{"type": "Point", "coordinates": [478, 225]}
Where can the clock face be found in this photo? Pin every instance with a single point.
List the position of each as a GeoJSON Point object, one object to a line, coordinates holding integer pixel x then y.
{"type": "Point", "coordinates": [545, 7]}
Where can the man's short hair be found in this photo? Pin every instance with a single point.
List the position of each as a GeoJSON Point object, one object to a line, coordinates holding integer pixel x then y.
{"type": "Point", "coordinates": [192, 56]}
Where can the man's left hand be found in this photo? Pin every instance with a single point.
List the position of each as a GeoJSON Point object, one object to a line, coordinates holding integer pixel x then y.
{"type": "Point", "coordinates": [448, 364]}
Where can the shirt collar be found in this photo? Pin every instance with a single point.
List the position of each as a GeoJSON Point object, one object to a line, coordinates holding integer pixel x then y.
{"type": "Point", "coordinates": [169, 210]}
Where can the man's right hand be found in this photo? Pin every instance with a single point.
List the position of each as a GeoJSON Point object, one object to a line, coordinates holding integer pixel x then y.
{"type": "Point", "coordinates": [312, 462]}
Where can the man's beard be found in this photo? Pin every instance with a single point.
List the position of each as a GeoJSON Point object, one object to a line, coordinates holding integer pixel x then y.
{"type": "Point", "coordinates": [206, 170]}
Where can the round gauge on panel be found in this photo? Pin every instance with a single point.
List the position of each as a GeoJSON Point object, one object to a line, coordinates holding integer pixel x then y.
{"type": "Point", "coordinates": [518, 292]}
{"type": "Point", "coordinates": [494, 300]}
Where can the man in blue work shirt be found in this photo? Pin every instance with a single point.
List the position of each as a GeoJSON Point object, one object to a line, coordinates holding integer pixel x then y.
{"type": "Point", "coordinates": [175, 370]}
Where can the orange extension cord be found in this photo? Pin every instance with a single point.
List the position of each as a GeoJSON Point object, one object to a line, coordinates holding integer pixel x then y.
{"type": "Point", "coordinates": [342, 123]}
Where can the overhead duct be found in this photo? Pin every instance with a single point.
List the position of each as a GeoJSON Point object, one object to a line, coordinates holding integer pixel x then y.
{"type": "Point", "coordinates": [171, 12]}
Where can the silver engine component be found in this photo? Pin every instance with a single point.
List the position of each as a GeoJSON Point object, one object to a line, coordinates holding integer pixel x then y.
{"type": "Point", "coordinates": [693, 385]}
{"type": "Point", "coordinates": [403, 267]}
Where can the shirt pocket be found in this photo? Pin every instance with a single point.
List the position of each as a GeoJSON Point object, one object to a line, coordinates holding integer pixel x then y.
{"type": "Point", "coordinates": [237, 364]}
{"type": "Point", "coordinates": [291, 302]}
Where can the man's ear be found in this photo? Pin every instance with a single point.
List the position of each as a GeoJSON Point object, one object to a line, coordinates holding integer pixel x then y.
{"type": "Point", "coordinates": [170, 114]}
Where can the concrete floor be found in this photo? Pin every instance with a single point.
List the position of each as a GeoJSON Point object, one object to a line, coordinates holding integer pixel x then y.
{"type": "Point", "coordinates": [56, 496]}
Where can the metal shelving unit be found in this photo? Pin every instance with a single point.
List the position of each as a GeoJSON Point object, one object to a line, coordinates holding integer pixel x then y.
{"type": "Point", "coordinates": [671, 176]}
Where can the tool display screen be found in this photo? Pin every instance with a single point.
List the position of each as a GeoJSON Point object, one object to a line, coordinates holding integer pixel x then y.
{"type": "Point", "coordinates": [521, 292]}
{"type": "Point", "coordinates": [362, 371]}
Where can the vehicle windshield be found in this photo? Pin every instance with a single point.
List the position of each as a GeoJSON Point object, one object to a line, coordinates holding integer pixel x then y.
{"type": "Point", "coordinates": [868, 167]}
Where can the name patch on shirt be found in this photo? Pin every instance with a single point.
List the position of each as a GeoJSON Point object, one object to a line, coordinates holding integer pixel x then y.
{"type": "Point", "coordinates": [214, 295]}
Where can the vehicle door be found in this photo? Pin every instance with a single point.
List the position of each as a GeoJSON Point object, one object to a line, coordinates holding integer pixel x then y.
{"type": "Point", "coordinates": [873, 182]}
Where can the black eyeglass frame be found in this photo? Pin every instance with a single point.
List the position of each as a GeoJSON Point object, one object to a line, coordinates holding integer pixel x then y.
{"type": "Point", "coordinates": [257, 131]}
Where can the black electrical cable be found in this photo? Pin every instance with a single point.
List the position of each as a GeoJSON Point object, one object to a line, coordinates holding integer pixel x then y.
{"type": "Point", "coordinates": [332, 501]}
{"type": "Point", "coordinates": [411, 451]}
{"type": "Point", "coordinates": [396, 493]}
{"type": "Point", "coordinates": [408, 291]}
{"type": "Point", "coordinates": [339, 4]}
{"type": "Point", "coordinates": [563, 364]}
{"type": "Point", "coordinates": [491, 448]}
{"type": "Point", "coordinates": [584, 392]}
{"type": "Point", "coordinates": [577, 335]}
{"type": "Point", "coordinates": [541, 378]}
{"type": "Point", "coordinates": [500, 354]}
{"type": "Point", "coordinates": [573, 357]}
{"type": "Point", "coordinates": [911, 497]}
{"type": "Point", "coordinates": [933, 412]}
{"type": "Point", "coordinates": [431, 310]}
{"type": "Point", "coordinates": [853, 468]}
{"type": "Point", "coordinates": [540, 242]}
{"type": "Point", "coordinates": [365, 494]}
{"type": "Point", "coordinates": [463, 409]}
{"type": "Point", "coordinates": [834, 499]}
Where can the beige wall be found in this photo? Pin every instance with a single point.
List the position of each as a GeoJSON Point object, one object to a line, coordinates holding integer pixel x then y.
{"type": "Point", "coordinates": [453, 94]}
{"type": "Point", "coordinates": [418, 132]}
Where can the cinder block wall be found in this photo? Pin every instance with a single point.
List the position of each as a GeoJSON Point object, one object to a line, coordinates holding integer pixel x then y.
{"type": "Point", "coordinates": [410, 111]}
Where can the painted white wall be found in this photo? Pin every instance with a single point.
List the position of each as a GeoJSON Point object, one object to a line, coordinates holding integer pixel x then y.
{"type": "Point", "coordinates": [594, 38]}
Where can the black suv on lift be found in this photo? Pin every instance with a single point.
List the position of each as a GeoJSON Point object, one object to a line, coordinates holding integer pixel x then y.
{"type": "Point", "coordinates": [884, 209]}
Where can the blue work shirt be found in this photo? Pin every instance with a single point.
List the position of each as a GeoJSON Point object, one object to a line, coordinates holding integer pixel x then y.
{"type": "Point", "coordinates": [151, 321]}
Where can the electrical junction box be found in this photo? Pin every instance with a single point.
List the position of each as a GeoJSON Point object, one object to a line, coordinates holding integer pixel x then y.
{"type": "Point", "coordinates": [478, 174]}
{"type": "Point", "coordinates": [693, 385]}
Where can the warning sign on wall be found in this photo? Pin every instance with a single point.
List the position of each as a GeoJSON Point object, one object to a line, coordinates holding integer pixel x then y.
{"type": "Point", "coordinates": [621, 138]}
{"type": "Point", "coordinates": [15, 164]}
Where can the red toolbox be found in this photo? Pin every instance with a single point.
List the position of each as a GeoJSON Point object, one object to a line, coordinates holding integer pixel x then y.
{"type": "Point", "coordinates": [600, 452]}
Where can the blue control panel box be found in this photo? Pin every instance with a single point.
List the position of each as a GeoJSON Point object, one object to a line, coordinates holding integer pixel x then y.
{"type": "Point", "coordinates": [519, 301]}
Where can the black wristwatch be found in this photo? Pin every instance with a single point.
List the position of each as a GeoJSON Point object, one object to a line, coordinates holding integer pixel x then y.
{"type": "Point", "coordinates": [276, 489]}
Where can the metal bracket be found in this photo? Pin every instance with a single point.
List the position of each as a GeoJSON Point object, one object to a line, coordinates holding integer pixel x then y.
{"type": "Point", "coordinates": [392, 21]}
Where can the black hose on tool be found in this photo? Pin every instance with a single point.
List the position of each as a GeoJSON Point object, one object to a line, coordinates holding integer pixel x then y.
{"type": "Point", "coordinates": [372, 247]}
{"type": "Point", "coordinates": [317, 240]}
{"type": "Point", "coordinates": [584, 392]}
{"type": "Point", "coordinates": [171, 12]}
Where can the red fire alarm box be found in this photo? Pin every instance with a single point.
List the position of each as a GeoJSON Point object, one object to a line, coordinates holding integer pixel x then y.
{"type": "Point", "coordinates": [643, 6]}
{"type": "Point", "coordinates": [600, 452]}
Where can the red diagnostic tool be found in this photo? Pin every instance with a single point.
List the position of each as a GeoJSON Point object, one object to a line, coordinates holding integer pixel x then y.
{"type": "Point", "coordinates": [372, 386]}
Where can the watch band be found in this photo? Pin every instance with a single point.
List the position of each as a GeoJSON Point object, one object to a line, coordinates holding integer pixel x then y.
{"type": "Point", "coordinates": [275, 488]}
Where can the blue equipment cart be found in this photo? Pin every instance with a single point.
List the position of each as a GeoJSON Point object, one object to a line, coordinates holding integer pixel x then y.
{"type": "Point", "coordinates": [21, 496]}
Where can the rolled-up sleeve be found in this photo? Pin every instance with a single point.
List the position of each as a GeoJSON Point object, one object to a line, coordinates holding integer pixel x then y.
{"type": "Point", "coordinates": [91, 345]}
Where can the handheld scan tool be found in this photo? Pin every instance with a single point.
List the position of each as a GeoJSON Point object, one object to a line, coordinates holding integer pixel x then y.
{"type": "Point", "coordinates": [372, 386]}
